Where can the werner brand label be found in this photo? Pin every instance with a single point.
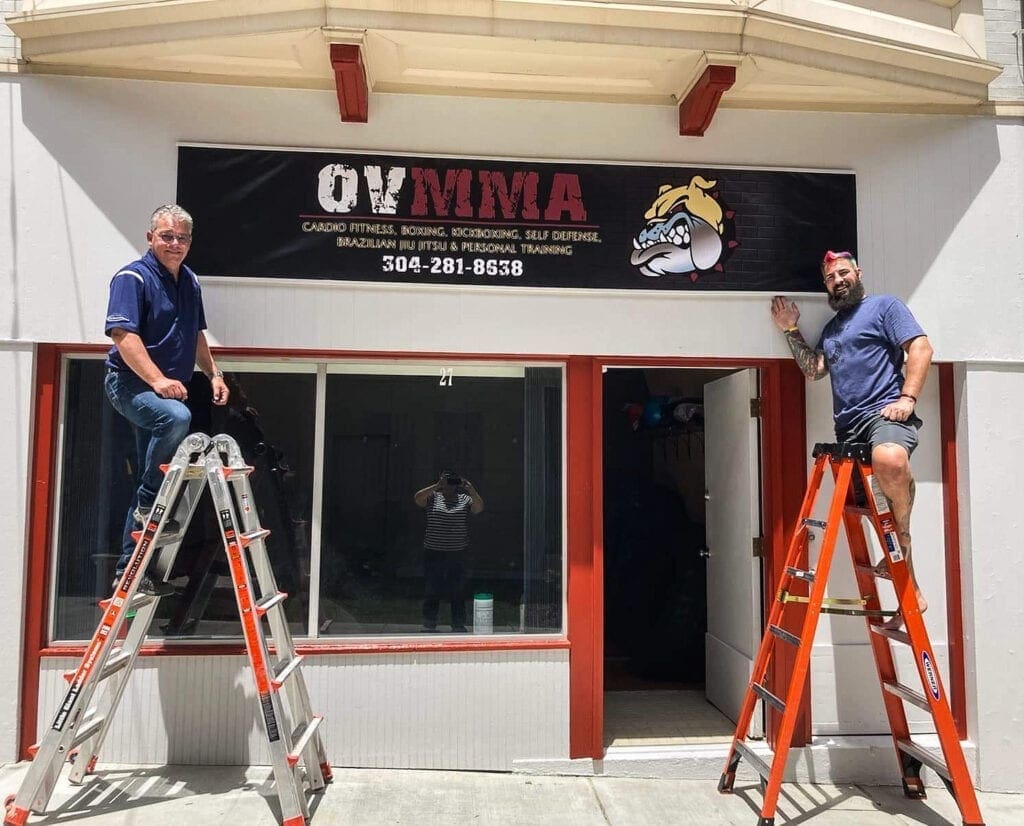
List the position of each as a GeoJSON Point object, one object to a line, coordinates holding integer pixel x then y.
{"type": "Point", "coordinates": [929, 673]}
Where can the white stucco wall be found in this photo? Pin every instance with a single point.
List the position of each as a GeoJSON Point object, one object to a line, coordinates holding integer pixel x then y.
{"type": "Point", "coordinates": [991, 454]}
{"type": "Point", "coordinates": [16, 371]}
{"type": "Point", "coordinates": [940, 210]}
{"type": "Point", "coordinates": [936, 198]}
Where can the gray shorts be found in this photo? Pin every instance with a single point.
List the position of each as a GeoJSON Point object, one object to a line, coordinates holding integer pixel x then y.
{"type": "Point", "coordinates": [878, 431]}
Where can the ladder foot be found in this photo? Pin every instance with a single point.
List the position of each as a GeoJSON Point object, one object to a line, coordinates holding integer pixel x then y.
{"type": "Point", "coordinates": [766, 821]}
{"type": "Point", "coordinates": [13, 816]}
{"type": "Point", "coordinates": [725, 782]}
{"type": "Point", "coordinates": [914, 789]}
{"type": "Point", "coordinates": [325, 770]}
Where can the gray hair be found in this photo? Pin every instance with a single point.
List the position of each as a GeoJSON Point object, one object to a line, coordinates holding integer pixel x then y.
{"type": "Point", "coordinates": [172, 211]}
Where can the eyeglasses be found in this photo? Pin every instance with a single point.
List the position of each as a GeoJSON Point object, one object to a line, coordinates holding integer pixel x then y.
{"type": "Point", "coordinates": [171, 237]}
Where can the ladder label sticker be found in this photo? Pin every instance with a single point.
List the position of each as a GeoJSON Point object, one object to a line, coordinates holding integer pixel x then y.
{"type": "Point", "coordinates": [878, 498]}
{"type": "Point", "coordinates": [892, 545]}
{"type": "Point", "coordinates": [267, 702]}
{"type": "Point", "coordinates": [930, 675]}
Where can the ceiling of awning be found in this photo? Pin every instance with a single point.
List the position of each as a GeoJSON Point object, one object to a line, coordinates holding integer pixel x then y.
{"type": "Point", "coordinates": [917, 55]}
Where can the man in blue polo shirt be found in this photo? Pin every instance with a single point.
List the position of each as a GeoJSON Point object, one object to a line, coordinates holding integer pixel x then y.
{"type": "Point", "coordinates": [865, 348]}
{"type": "Point", "coordinates": [156, 320]}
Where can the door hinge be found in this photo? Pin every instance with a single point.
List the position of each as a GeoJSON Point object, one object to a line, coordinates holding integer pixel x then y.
{"type": "Point", "coordinates": [755, 408]}
{"type": "Point", "coordinates": [757, 546]}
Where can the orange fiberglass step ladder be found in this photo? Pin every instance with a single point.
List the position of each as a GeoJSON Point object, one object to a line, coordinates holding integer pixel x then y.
{"type": "Point", "coordinates": [83, 718]}
{"type": "Point", "coordinates": [856, 496]}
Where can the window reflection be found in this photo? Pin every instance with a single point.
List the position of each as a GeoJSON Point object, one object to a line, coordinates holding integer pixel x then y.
{"type": "Point", "coordinates": [389, 432]}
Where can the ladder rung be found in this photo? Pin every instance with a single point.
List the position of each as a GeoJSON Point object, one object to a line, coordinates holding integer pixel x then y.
{"type": "Point", "coordinates": [784, 635]}
{"type": "Point", "coordinates": [892, 633]}
{"type": "Point", "coordinates": [117, 660]}
{"type": "Point", "coordinates": [285, 672]}
{"type": "Point", "coordinates": [237, 472]}
{"type": "Point", "coordinates": [925, 756]}
{"type": "Point", "coordinates": [907, 694]}
{"type": "Point", "coordinates": [859, 511]}
{"type": "Point", "coordinates": [303, 741]}
{"type": "Point", "coordinates": [806, 576]}
{"type": "Point", "coordinates": [871, 570]}
{"type": "Point", "coordinates": [265, 605]}
{"type": "Point", "coordinates": [815, 523]}
{"type": "Point", "coordinates": [247, 538]}
{"type": "Point", "coordinates": [136, 603]}
{"type": "Point", "coordinates": [756, 762]}
{"type": "Point", "coordinates": [767, 696]}
{"type": "Point", "coordinates": [86, 731]}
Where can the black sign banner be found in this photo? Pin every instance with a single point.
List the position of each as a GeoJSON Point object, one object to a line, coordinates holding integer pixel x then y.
{"type": "Point", "coordinates": [344, 216]}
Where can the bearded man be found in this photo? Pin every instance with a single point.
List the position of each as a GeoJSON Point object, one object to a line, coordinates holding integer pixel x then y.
{"type": "Point", "coordinates": [878, 358]}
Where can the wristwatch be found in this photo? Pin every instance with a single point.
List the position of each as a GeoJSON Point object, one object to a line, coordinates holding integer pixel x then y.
{"type": "Point", "coordinates": [217, 374]}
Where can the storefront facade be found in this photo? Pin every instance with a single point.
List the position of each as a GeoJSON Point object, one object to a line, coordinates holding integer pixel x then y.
{"type": "Point", "coordinates": [361, 390]}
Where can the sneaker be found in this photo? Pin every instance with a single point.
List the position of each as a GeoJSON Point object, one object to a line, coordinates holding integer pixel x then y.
{"type": "Point", "coordinates": [155, 588]}
{"type": "Point", "coordinates": [141, 516]}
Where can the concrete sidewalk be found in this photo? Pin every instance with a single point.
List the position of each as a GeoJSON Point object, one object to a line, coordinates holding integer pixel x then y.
{"type": "Point", "coordinates": [235, 796]}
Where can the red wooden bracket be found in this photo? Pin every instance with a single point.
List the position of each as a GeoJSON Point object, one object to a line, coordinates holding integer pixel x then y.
{"type": "Point", "coordinates": [350, 78]}
{"type": "Point", "coordinates": [699, 106]}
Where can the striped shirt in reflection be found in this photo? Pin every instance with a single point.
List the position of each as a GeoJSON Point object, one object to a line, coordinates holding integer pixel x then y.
{"type": "Point", "coordinates": [447, 522]}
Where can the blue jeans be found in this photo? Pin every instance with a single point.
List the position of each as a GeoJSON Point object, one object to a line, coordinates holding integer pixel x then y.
{"type": "Point", "coordinates": [159, 425]}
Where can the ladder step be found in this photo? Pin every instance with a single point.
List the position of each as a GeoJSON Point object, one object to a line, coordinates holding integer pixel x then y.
{"type": "Point", "coordinates": [871, 570]}
{"type": "Point", "coordinates": [117, 660]}
{"type": "Point", "coordinates": [266, 604]}
{"type": "Point", "coordinates": [300, 745]}
{"type": "Point", "coordinates": [756, 762]}
{"type": "Point", "coordinates": [858, 510]}
{"type": "Point", "coordinates": [768, 697]}
{"type": "Point", "coordinates": [892, 634]}
{"type": "Point", "coordinates": [136, 603]}
{"type": "Point", "coordinates": [248, 538]}
{"type": "Point", "coordinates": [815, 523]}
{"type": "Point", "coordinates": [907, 694]}
{"type": "Point", "coordinates": [86, 731]}
{"type": "Point", "coordinates": [925, 756]}
{"type": "Point", "coordinates": [283, 672]}
{"type": "Point", "coordinates": [784, 635]}
{"type": "Point", "coordinates": [796, 573]}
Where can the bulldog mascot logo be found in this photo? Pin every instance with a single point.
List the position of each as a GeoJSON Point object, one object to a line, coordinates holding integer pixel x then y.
{"type": "Point", "coordinates": [687, 231]}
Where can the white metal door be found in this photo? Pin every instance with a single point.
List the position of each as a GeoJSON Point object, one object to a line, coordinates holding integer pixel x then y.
{"type": "Point", "coordinates": [733, 520]}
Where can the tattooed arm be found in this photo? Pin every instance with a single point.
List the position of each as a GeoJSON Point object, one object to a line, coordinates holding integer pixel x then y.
{"type": "Point", "coordinates": [811, 362]}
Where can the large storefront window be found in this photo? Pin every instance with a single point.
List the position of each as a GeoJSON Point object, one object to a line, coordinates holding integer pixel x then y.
{"type": "Point", "coordinates": [341, 451]}
{"type": "Point", "coordinates": [270, 415]}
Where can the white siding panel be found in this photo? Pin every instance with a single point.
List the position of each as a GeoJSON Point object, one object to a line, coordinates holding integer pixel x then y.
{"type": "Point", "coordinates": [846, 695]}
{"type": "Point", "coordinates": [459, 710]}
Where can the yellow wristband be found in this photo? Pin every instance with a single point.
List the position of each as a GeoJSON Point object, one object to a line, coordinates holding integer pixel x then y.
{"type": "Point", "coordinates": [793, 329]}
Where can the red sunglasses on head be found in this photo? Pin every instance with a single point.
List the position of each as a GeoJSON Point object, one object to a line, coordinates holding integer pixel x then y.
{"type": "Point", "coordinates": [835, 256]}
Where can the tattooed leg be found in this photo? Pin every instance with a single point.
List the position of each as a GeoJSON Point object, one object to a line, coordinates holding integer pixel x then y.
{"type": "Point", "coordinates": [891, 466]}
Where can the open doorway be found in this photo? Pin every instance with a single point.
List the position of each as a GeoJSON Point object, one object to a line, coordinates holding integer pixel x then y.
{"type": "Point", "coordinates": [656, 556]}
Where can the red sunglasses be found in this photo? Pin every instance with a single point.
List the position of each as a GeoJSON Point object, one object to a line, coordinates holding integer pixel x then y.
{"type": "Point", "coordinates": [835, 256]}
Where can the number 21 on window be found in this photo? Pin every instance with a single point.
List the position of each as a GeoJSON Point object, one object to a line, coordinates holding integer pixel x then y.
{"type": "Point", "coordinates": [446, 377]}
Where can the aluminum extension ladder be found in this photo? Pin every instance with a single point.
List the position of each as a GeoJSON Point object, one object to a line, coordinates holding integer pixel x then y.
{"type": "Point", "coordinates": [850, 464]}
{"type": "Point", "coordinates": [83, 718]}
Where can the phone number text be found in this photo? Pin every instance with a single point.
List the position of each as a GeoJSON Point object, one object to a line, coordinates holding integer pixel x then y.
{"type": "Point", "coordinates": [449, 265]}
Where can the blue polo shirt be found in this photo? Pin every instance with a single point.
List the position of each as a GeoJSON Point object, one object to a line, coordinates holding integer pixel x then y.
{"type": "Point", "coordinates": [863, 348]}
{"type": "Point", "coordinates": [166, 314]}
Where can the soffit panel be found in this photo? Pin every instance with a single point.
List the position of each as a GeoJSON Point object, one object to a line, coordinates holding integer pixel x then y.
{"type": "Point", "coordinates": [638, 53]}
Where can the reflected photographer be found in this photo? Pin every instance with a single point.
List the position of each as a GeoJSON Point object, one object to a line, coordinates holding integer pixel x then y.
{"type": "Point", "coordinates": [449, 503]}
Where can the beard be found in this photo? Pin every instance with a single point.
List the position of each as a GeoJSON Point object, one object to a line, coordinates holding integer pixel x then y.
{"type": "Point", "coordinates": [852, 298]}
